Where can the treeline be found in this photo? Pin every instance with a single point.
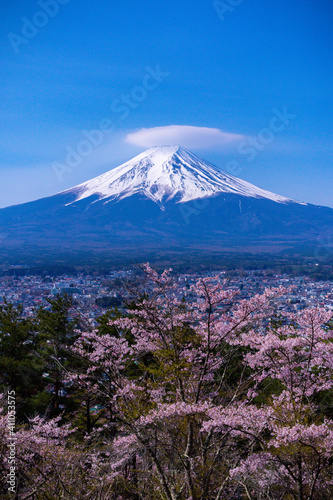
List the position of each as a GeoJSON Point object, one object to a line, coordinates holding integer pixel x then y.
{"type": "Point", "coordinates": [35, 353]}
{"type": "Point", "coordinates": [175, 398]}
{"type": "Point", "coordinates": [316, 263]}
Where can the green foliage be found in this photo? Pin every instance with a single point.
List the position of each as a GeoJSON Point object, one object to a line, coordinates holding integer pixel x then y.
{"type": "Point", "coordinates": [34, 355]}
{"type": "Point", "coordinates": [20, 368]}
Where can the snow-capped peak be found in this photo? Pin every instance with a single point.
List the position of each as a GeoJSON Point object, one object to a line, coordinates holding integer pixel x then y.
{"type": "Point", "coordinates": [168, 173]}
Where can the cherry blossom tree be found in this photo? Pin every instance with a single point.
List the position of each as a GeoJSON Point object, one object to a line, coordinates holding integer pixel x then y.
{"type": "Point", "coordinates": [297, 456]}
{"type": "Point", "coordinates": [49, 463]}
{"type": "Point", "coordinates": [174, 367]}
{"type": "Point", "coordinates": [199, 395]}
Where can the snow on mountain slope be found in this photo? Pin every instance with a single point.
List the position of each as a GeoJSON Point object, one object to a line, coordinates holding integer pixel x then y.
{"type": "Point", "coordinates": [168, 173]}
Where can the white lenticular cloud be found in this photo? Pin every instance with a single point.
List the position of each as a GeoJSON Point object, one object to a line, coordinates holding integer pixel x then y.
{"type": "Point", "coordinates": [184, 135]}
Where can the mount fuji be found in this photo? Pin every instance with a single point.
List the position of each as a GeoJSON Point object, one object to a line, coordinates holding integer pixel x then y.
{"type": "Point", "coordinates": [168, 173]}
{"type": "Point", "coordinates": [166, 197]}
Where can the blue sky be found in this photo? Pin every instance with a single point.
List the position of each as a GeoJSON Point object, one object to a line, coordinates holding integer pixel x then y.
{"type": "Point", "coordinates": [231, 69]}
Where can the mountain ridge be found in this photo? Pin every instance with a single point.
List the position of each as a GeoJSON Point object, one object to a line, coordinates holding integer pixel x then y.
{"type": "Point", "coordinates": [166, 197]}
{"type": "Point", "coordinates": [163, 173]}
